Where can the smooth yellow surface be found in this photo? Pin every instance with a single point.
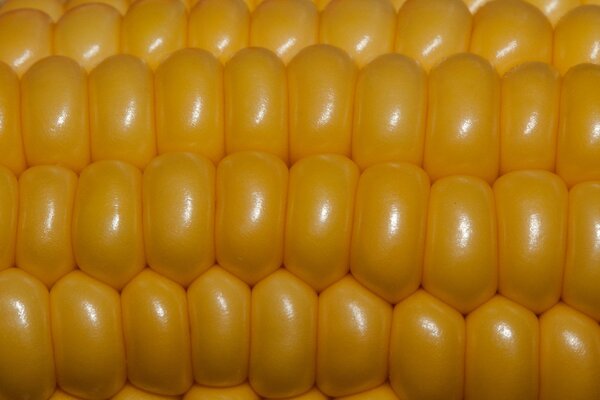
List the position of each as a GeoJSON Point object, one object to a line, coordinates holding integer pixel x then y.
{"type": "Point", "coordinates": [475, 5]}
{"type": "Point", "coordinates": [319, 218]}
{"type": "Point", "coordinates": [569, 355]}
{"type": "Point", "coordinates": [189, 104]}
{"type": "Point", "coordinates": [219, 311]}
{"type": "Point", "coordinates": [353, 339]}
{"type": "Point", "coordinates": [461, 264]}
{"type": "Point", "coordinates": [531, 208]}
{"type": "Point", "coordinates": [578, 153]}
{"type": "Point", "coordinates": [157, 336]}
{"type": "Point", "coordinates": [508, 33]}
{"type": "Point", "coordinates": [388, 238]}
{"type": "Point", "coordinates": [120, 5]}
{"type": "Point", "coordinates": [256, 103]}
{"type": "Point", "coordinates": [60, 395]}
{"type": "Point", "coordinates": [52, 8]}
{"type": "Point", "coordinates": [462, 135]}
{"type": "Point", "coordinates": [555, 9]}
{"type": "Point", "coordinates": [179, 215]}
{"type": "Point", "coordinates": [431, 30]}
{"type": "Point", "coordinates": [88, 34]}
{"type": "Point", "coordinates": [285, 27]}
{"type": "Point", "coordinates": [313, 394]}
{"type": "Point", "coordinates": [219, 26]}
{"type": "Point", "coordinates": [577, 38]}
{"type": "Point", "coordinates": [9, 206]}
{"type": "Point", "coordinates": [427, 349]}
{"type": "Point", "coordinates": [250, 215]}
{"type": "Point", "coordinates": [27, 363]}
{"type": "Point", "coordinates": [581, 284]}
{"type": "Point", "coordinates": [283, 336]}
{"type": "Point", "coordinates": [241, 392]}
{"type": "Point", "coordinates": [88, 337]}
{"type": "Point", "coordinates": [390, 108]}
{"type": "Point", "coordinates": [362, 28]}
{"type": "Point", "coordinates": [122, 111]}
{"type": "Point", "coordinates": [321, 83]}
{"type": "Point", "coordinates": [502, 352]}
{"type": "Point", "coordinates": [529, 117]}
{"type": "Point", "coordinates": [46, 196]}
{"type": "Point", "coordinates": [383, 392]}
{"type": "Point", "coordinates": [12, 154]}
{"type": "Point", "coordinates": [25, 37]}
{"type": "Point", "coordinates": [54, 114]}
{"type": "Point", "coordinates": [107, 222]}
{"type": "Point", "coordinates": [153, 29]}
{"type": "Point", "coordinates": [130, 392]}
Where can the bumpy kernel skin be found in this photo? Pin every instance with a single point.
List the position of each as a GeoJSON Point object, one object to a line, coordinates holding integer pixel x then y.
{"type": "Point", "coordinates": [353, 339]}
{"type": "Point", "coordinates": [383, 392]}
{"type": "Point", "coordinates": [431, 30]}
{"type": "Point", "coordinates": [130, 392]}
{"type": "Point", "coordinates": [219, 26]}
{"type": "Point", "coordinates": [121, 102]}
{"type": "Point", "coordinates": [529, 118]}
{"type": "Point", "coordinates": [46, 197]}
{"type": "Point", "coordinates": [52, 8]}
{"type": "Point", "coordinates": [189, 104]}
{"type": "Point", "coordinates": [120, 5]}
{"type": "Point", "coordinates": [12, 155]}
{"type": "Point", "coordinates": [577, 38]}
{"type": "Point", "coordinates": [285, 27]}
{"type": "Point", "coordinates": [578, 154]}
{"type": "Point", "coordinates": [9, 206]}
{"type": "Point", "coordinates": [461, 264]}
{"type": "Point", "coordinates": [319, 218]}
{"type": "Point", "coordinates": [462, 134]}
{"type": "Point", "coordinates": [157, 336]}
{"type": "Point", "coordinates": [321, 84]}
{"type": "Point", "coordinates": [555, 9]}
{"type": "Point", "coordinates": [27, 363]}
{"type": "Point", "coordinates": [362, 28]}
{"type": "Point", "coordinates": [581, 284]}
{"type": "Point", "coordinates": [250, 214]}
{"type": "Point", "coordinates": [531, 207]}
{"type": "Point", "coordinates": [283, 336]}
{"type": "Point", "coordinates": [569, 355]}
{"type": "Point", "coordinates": [107, 222]}
{"type": "Point", "coordinates": [427, 349]}
{"type": "Point", "coordinates": [506, 41]}
{"type": "Point", "coordinates": [390, 108]}
{"type": "Point", "coordinates": [241, 392]}
{"type": "Point", "coordinates": [54, 114]}
{"type": "Point", "coordinates": [388, 238]}
{"type": "Point", "coordinates": [502, 352]}
{"type": "Point", "coordinates": [88, 336]}
{"type": "Point", "coordinates": [219, 311]}
{"type": "Point", "coordinates": [25, 37]}
{"type": "Point", "coordinates": [153, 29]}
{"type": "Point", "coordinates": [179, 215]}
{"type": "Point", "coordinates": [256, 103]}
{"type": "Point", "coordinates": [88, 34]}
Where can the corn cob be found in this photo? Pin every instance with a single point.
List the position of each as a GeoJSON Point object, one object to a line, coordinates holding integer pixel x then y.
{"type": "Point", "coordinates": [357, 276]}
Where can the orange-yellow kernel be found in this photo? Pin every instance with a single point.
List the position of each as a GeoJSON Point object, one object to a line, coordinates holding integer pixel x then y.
{"type": "Point", "coordinates": [52, 8]}
{"type": "Point", "coordinates": [319, 218]}
{"type": "Point", "coordinates": [88, 34]}
{"type": "Point", "coordinates": [461, 264]}
{"type": "Point", "coordinates": [120, 5]}
{"type": "Point", "coordinates": [390, 109]}
{"type": "Point", "coordinates": [256, 103]}
{"type": "Point", "coordinates": [241, 392]}
{"type": "Point", "coordinates": [12, 155]}
{"type": "Point", "coordinates": [321, 84]}
{"type": "Point", "coordinates": [9, 206]}
{"type": "Point", "coordinates": [462, 134]}
{"type": "Point", "coordinates": [189, 104]}
{"type": "Point", "coordinates": [431, 30]}
{"type": "Point", "coordinates": [577, 38]}
{"type": "Point", "coordinates": [555, 9]}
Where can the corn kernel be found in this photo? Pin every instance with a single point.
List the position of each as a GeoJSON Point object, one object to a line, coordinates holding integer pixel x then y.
{"type": "Point", "coordinates": [12, 155]}
{"type": "Point", "coordinates": [9, 206]}
{"type": "Point", "coordinates": [577, 37]}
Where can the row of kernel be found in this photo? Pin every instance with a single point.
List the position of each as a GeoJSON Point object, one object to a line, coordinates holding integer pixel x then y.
{"type": "Point", "coordinates": [461, 119]}
{"type": "Point", "coordinates": [426, 30]}
{"type": "Point", "coordinates": [460, 239]}
{"type": "Point", "coordinates": [283, 339]}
